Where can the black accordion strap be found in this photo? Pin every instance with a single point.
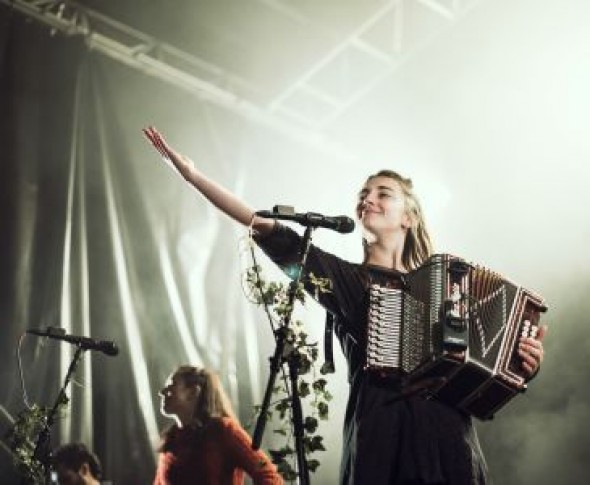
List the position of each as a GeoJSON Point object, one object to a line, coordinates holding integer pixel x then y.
{"type": "Point", "coordinates": [328, 367]}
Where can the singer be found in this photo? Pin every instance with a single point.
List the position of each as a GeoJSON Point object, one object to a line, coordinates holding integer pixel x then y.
{"type": "Point", "coordinates": [389, 437]}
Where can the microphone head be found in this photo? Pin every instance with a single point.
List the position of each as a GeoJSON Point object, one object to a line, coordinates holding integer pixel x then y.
{"type": "Point", "coordinates": [109, 348]}
{"type": "Point", "coordinates": [345, 225]}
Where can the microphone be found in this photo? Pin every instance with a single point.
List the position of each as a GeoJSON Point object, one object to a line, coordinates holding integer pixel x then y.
{"type": "Point", "coordinates": [107, 347]}
{"type": "Point", "coordinates": [342, 224]}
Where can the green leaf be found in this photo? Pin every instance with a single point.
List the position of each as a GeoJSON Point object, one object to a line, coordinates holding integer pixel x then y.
{"type": "Point", "coordinates": [323, 410]}
{"type": "Point", "coordinates": [304, 389]}
{"type": "Point", "coordinates": [310, 424]}
{"type": "Point", "coordinates": [320, 384]}
{"type": "Point", "coordinates": [299, 352]}
{"type": "Point", "coordinates": [317, 443]}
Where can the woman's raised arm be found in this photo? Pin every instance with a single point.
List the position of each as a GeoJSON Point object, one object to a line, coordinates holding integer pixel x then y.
{"type": "Point", "coordinates": [219, 196]}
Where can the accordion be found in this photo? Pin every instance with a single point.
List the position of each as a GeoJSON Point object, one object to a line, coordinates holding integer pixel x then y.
{"type": "Point", "coordinates": [456, 325]}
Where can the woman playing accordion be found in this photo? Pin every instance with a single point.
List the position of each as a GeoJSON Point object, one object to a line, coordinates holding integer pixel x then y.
{"type": "Point", "coordinates": [391, 436]}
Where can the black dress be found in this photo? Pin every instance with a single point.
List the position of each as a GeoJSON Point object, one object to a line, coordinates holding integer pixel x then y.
{"type": "Point", "coordinates": [388, 439]}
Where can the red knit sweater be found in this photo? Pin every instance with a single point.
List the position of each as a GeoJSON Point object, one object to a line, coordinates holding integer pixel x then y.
{"type": "Point", "coordinates": [217, 454]}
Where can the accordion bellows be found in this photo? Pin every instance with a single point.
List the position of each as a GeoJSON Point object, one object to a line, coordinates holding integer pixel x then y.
{"type": "Point", "coordinates": [455, 326]}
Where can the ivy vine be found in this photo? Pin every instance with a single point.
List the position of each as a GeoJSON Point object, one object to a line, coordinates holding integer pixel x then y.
{"type": "Point", "coordinates": [312, 386]}
{"type": "Point", "coordinates": [22, 440]}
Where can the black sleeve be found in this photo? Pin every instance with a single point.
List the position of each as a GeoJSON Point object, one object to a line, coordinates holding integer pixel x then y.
{"type": "Point", "coordinates": [283, 245]}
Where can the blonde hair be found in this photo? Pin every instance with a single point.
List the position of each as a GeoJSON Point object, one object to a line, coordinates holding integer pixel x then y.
{"type": "Point", "coordinates": [212, 401]}
{"type": "Point", "coordinates": [418, 244]}
{"type": "Point", "coordinates": [211, 405]}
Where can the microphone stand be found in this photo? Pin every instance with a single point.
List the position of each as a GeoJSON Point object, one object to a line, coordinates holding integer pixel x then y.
{"type": "Point", "coordinates": [276, 362]}
{"type": "Point", "coordinates": [42, 452]}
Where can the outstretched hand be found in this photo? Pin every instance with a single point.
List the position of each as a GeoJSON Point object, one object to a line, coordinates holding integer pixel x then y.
{"type": "Point", "coordinates": [177, 160]}
{"type": "Point", "coordinates": [531, 351]}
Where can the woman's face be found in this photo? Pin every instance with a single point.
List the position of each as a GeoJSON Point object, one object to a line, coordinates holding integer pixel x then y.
{"type": "Point", "coordinates": [177, 398]}
{"type": "Point", "coordinates": [381, 207]}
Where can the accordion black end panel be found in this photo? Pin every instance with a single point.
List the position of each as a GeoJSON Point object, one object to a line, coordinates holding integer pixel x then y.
{"type": "Point", "coordinates": [455, 324]}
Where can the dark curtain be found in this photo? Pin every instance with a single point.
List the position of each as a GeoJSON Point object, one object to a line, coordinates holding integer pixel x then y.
{"type": "Point", "coordinates": [94, 242]}
{"type": "Point", "coordinates": [56, 244]}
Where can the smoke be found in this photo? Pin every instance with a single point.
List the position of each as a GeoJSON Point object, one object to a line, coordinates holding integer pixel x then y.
{"type": "Point", "coordinates": [540, 437]}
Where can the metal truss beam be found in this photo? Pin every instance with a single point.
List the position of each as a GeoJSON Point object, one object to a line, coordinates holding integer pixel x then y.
{"type": "Point", "coordinates": [165, 62]}
{"type": "Point", "coordinates": [385, 57]}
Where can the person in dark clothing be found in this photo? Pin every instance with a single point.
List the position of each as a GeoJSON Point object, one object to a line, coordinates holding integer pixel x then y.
{"type": "Point", "coordinates": [75, 464]}
{"type": "Point", "coordinates": [390, 436]}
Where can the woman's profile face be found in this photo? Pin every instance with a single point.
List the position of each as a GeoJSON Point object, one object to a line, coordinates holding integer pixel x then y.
{"type": "Point", "coordinates": [177, 399]}
{"type": "Point", "coordinates": [381, 206]}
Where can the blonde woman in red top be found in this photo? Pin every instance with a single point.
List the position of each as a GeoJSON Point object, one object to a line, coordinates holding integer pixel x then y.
{"type": "Point", "coordinates": [206, 444]}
